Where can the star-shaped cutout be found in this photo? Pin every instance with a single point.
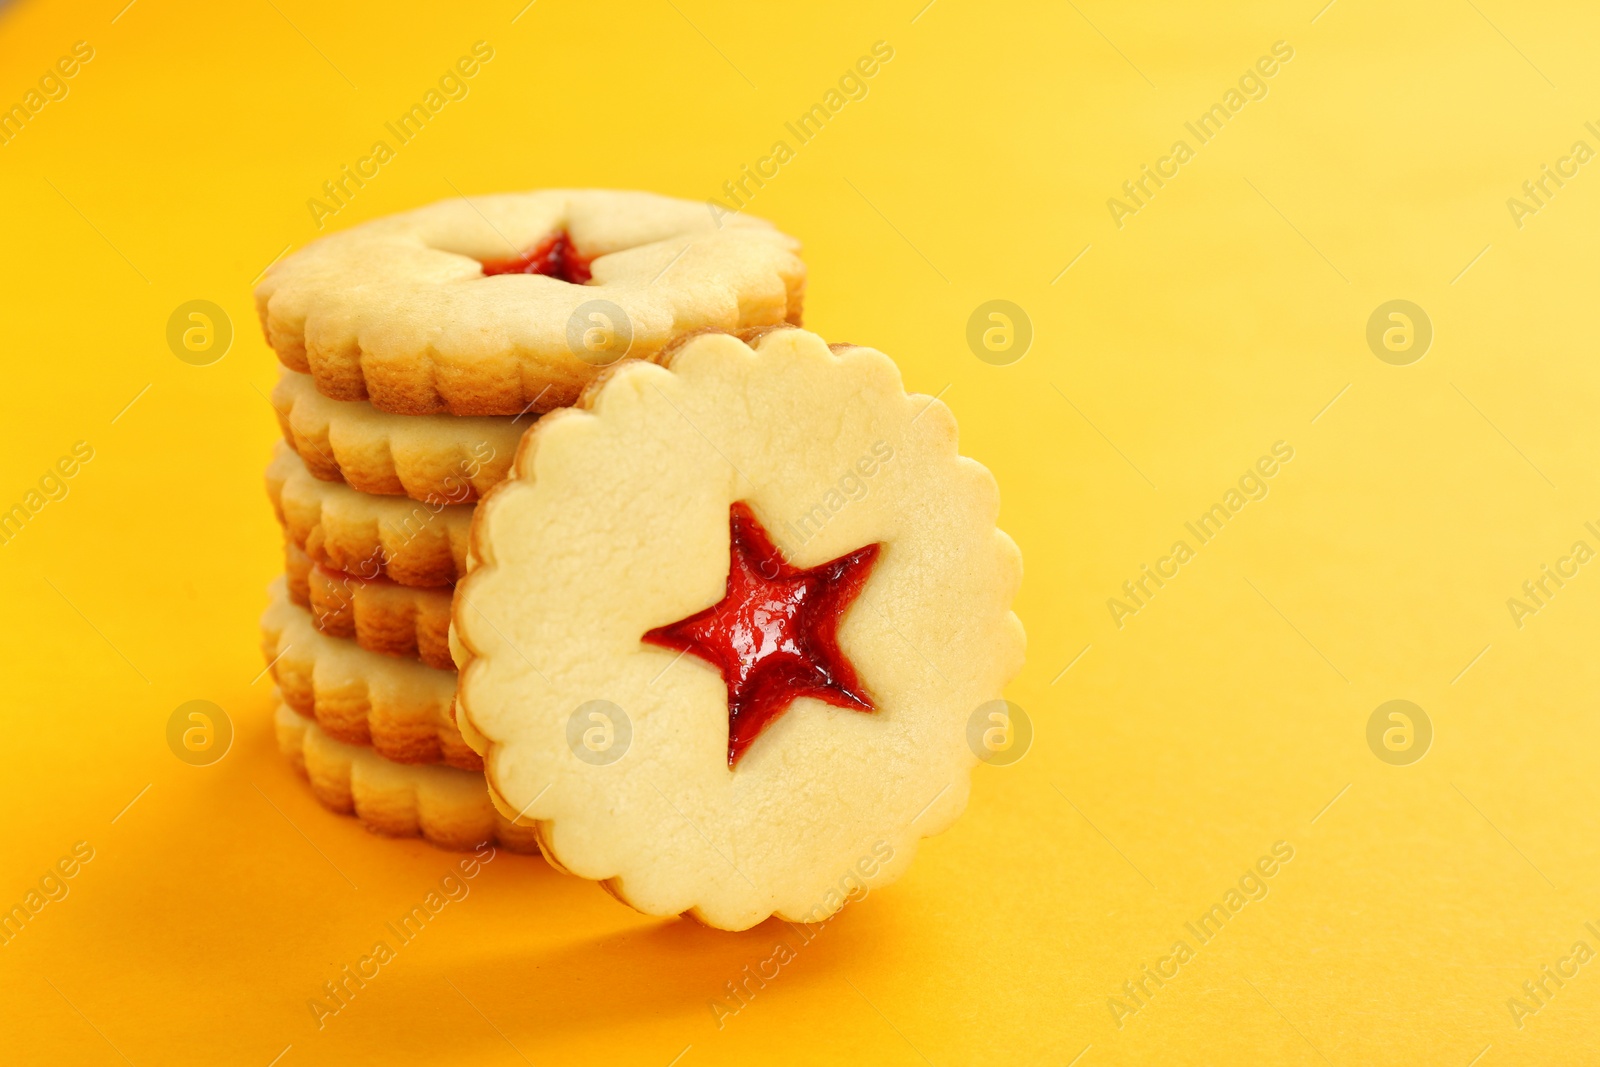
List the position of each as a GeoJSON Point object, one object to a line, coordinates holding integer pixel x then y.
{"type": "Point", "coordinates": [554, 257]}
{"type": "Point", "coordinates": [775, 635]}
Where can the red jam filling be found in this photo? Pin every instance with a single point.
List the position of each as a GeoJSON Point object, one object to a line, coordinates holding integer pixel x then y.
{"type": "Point", "coordinates": [554, 257]}
{"type": "Point", "coordinates": [774, 636]}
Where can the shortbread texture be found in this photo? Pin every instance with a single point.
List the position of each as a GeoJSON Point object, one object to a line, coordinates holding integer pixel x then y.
{"type": "Point", "coordinates": [447, 807]}
{"type": "Point", "coordinates": [426, 457]}
{"type": "Point", "coordinates": [402, 708]}
{"type": "Point", "coordinates": [413, 542]}
{"type": "Point", "coordinates": [616, 521]}
{"type": "Point", "coordinates": [399, 311]}
{"type": "Point", "coordinates": [380, 615]}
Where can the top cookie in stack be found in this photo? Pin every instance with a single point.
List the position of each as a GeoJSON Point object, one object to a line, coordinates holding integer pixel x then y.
{"type": "Point", "coordinates": [500, 305]}
{"type": "Point", "coordinates": [416, 350]}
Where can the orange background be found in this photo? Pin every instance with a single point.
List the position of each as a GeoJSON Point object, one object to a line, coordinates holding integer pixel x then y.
{"type": "Point", "coordinates": [1228, 313]}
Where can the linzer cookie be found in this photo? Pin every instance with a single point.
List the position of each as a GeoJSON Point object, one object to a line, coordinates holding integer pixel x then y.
{"type": "Point", "coordinates": [447, 807]}
{"type": "Point", "coordinates": [382, 616]}
{"type": "Point", "coordinates": [402, 708]}
{"type": "Point", "coordinates": [729, 621]}
{"type": "Point", "coordinates": [500, 305]}
{"type": "Point", "coordinates": [425, 457]}
{"type": "Point", "coordinates": [413, 542]}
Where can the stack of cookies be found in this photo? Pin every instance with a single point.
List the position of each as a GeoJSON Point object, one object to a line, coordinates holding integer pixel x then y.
{"type": "Point", "coordinates": [590, 550]}
{"type": "Point", "coordinates": [416, 350]}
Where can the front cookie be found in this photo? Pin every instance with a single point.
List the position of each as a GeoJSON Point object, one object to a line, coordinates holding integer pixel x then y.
{"type": "Point", "coordinates": [780, 597]}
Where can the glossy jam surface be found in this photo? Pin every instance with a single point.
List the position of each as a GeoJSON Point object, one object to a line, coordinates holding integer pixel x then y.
{"type": "Point", "coordinates": [775, 635]}
{"type": "Point", "coordinates": [553, 257]}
